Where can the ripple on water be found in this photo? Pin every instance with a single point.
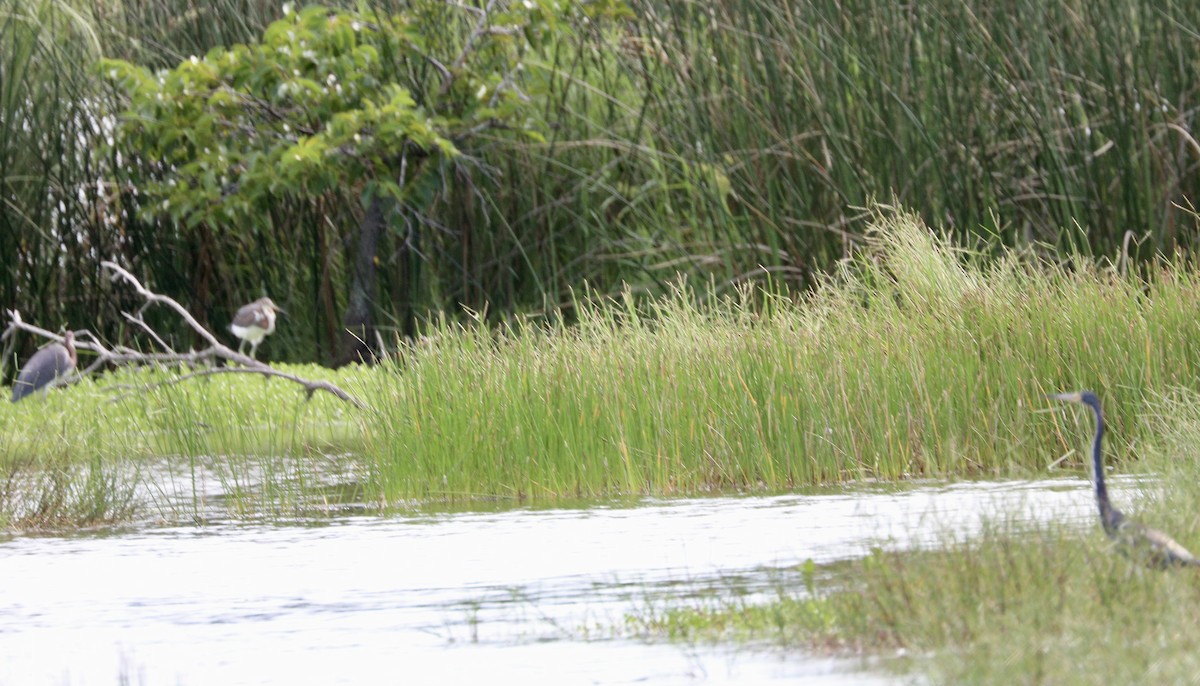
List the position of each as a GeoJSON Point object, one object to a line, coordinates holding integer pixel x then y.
{"type": "Point", "coordinates": [528, 594]}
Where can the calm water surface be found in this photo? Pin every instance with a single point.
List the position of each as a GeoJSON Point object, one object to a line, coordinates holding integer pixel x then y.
{"type": "Point", "coordinates": [523, 596]}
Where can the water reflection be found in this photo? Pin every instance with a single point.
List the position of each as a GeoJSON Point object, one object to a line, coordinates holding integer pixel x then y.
{"type": "Point", "coordinates": [524, 594]}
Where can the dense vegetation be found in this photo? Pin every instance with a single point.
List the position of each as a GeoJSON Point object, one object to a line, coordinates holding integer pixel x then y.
{"type": "Point", "coordinates": [726, 141]}
{"type": "Point", "coordinates": [657, 265]}
{"type": "Point", "coordinates": [917, 359]}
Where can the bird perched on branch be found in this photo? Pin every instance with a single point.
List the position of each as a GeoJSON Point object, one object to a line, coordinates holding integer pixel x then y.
{"type": "Point", "coordinates": [1138, 541]}
{"type": "Point", "coordinates": [254, 322]}
{"type": "Point", "coordinates": [46, 365]}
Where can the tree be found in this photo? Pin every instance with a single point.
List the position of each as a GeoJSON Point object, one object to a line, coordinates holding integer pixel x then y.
{"type": "Point", "coordinates": [331, 101]}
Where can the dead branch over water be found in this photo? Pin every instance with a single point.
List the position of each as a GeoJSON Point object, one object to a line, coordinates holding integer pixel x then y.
{"type": "Point", "coordinates": [201, 361]}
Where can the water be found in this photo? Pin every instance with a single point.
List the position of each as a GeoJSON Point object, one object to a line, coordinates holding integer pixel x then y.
{"type": "Point", "coordinates": [525, 596]}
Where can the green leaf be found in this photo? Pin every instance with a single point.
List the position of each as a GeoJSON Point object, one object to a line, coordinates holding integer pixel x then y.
{"type": "Point", "coordinates": [325, 101]}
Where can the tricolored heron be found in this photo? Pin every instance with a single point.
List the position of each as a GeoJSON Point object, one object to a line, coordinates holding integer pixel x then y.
{"type": "Point", "coordinates": [254, 322]}
{"type": "Point", "coordinates": [1137, 540]}
{"type": "Point", "coordinates": [46, 365]}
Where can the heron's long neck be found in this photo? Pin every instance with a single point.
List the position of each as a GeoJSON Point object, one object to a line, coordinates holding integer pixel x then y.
{"type": "Point", "coordinates": [1110, 517]}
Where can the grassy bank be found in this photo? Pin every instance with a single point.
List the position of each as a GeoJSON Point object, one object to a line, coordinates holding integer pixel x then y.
{"type": "Point", "coordinates": [1052, 604]}
{"type": "Point", "coordinates": [916, 359]}
{"type": "Point", "coordinates": [111, 449]}
{"type": "Point", "coordinates": [1042, 604]}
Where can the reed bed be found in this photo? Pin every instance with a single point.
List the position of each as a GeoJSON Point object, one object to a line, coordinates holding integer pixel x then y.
{"type": "Point", "coordinates": [918, 358]}
{"type": "Point", "coordinates": [1027, 117]}
{"type": "Point", "coordinates": [702, 138]}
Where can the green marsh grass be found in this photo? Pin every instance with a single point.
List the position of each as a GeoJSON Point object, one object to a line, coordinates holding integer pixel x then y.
{"type": "Point", "coordinates": [1031, 602]}
{"type": "Point", "coordinates": [119, 447]}
{"type": "Point", "coordinates": [1025, 603]}
{"type": "Point", "coordinates": [917, 358]}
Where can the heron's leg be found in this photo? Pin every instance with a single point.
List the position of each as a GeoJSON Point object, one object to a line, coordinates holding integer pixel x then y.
{"type": "Point", "coordinates": [253, 350]}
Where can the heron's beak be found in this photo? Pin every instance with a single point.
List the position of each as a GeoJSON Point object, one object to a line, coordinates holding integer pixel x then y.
{"type": "Point", "coordinates": [1066, 397]}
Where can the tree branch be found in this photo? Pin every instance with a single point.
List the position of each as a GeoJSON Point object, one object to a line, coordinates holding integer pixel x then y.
{"type": "Point", "coordinates": [481, 29]}
{"type": "Point", "coordinates": [121, 355]}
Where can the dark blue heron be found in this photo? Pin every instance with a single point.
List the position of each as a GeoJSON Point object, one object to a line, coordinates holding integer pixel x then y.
{"type": "Point", "coordinates": [46, 365]}
{"type": "Point", "coordinates": [1138, 541]}
{"type": "Point", "coordinates": [254, 322]}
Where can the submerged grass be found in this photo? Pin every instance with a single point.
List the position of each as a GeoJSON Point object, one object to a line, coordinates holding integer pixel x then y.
{"type": "Point", "coordinates": [119, 447]}
{"type": "Point", "coordinates": [1032, 603]}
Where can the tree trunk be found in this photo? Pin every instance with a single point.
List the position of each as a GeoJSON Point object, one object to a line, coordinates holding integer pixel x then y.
{"type": "Point", "coordinates": [327, 339]}
{"type": "Point", "coordinates": [358, 334]}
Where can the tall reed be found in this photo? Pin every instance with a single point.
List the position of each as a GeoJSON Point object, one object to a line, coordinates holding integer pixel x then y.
{"type": "Point", "coordinates": [916, 359]}
{"type": "Point", "coordinates": [708, 140]}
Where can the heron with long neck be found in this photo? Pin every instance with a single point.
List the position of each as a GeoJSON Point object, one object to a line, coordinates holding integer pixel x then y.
{"type": "Point", "coordinates": [1137, 540]}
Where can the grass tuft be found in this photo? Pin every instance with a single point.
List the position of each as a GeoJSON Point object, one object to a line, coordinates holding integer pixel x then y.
{"type": "Point", "coordinates": [1039, 602]}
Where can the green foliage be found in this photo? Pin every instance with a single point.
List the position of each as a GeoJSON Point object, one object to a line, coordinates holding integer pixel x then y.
{"type": "Point", "coordinates": [697, 138]}
{"type": "Point", "coordinates": [327, 99]}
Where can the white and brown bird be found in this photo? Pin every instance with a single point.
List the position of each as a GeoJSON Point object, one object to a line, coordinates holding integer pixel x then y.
{"type": "Point", "coordinates": [46, 365]}
{"type": "Point", "coordinates": [254, 322]}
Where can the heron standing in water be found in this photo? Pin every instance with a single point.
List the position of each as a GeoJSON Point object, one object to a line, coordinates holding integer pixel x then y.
{"type": "Point", "coordinates": [1138, 541]}
{"type": "Point", "coordinates": [254, 322]}
{"type": "Point", "coordinates": [46, 365]}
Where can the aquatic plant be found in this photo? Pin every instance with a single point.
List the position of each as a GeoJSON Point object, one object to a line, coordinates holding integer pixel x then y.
{"type": "Point", "coordinates": [917, 358]}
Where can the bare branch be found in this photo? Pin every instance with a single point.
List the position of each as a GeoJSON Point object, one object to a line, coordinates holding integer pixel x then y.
{"type": "Point", "coordinates": [141, 323]}
{"type": "Point", "coordinates": [310, 386]}
{"type": "Point", "coordinates": [151, 297]}
{"type": "Point", "coordinates": [480, 30]}
{"type": "Point", "coordinates": [15, 323]}
{"type": "Point", "coordinates": [121, 355]}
